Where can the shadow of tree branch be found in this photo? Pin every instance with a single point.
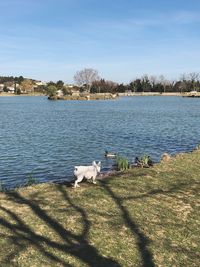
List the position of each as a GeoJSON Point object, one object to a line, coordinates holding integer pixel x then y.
{"type": "Point", "coordinates": [142, 240]}
{"type": "Point", "coordinates": [76, 245]}
{"type": "Point", "coordinates": [159, 191]}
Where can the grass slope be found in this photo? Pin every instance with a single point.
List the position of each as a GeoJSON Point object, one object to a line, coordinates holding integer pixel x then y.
{"type": "Point", "coordinates": [145, 217]}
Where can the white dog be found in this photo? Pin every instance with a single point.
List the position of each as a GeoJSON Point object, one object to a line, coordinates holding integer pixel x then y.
{"type": "Point", "coordinates": [88, 172]}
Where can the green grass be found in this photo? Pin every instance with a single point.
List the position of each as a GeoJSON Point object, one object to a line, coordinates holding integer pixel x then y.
{"type": "Point", "coordinates": [143, 217]}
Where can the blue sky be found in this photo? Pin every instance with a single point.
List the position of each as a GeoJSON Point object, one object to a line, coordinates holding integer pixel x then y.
{"type": "Point", "coordinates": [122, 39]}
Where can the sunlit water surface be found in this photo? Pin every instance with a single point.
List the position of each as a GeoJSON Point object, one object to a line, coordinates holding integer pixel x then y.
{"type": "Point", "coordinates": [45, 139]}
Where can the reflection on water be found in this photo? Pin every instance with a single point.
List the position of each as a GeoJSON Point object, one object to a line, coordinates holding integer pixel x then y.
{"type": "Point", "coordinates": [47, 138]}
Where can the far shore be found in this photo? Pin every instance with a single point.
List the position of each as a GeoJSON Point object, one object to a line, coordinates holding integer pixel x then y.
{"type": "Point", "coordinates": [32, 94]}
{"type": "Point", "coordinates": [157, 94]}
{"type": "Point", "coordinates": [100, 96]}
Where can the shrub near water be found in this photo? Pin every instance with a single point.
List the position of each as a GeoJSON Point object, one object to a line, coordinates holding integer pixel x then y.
{"type": "Point", "coordinates": [2, 187]}
{"type": "Point", "coordinates": [146, 161]}
{"type": "Point", "coordinates": [30, 180]}
{"type": "Point", "coordinates": [122, 163]}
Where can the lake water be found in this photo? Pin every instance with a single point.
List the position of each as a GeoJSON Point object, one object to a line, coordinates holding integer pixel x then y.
{"type": "Point", "coordinates": [46, 139]}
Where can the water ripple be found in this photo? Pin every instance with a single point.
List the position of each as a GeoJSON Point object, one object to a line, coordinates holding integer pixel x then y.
{"type": "Point", "coordinates": [46, 139]}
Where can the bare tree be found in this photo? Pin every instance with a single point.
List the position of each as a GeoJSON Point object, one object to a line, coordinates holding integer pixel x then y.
{"type": "Point", "coordinates": [103, 86]}
{"type": "Point", "coordinates": [183, 83]}
{"type": "Point", "coordinates": [194, 80]}
{"type": "Point", "coordinates": [86, 77]}
{"type": "Point", "coordinates": [153, 80]}
{"type": "Point", "coordinates": [183, 77]}
{"type": "Point", "coordinates": [194, 76]}
{"type": "Point", "coordinates": [164, 82]}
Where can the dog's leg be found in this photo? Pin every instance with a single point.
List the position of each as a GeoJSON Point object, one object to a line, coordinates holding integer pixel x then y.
{"type": "Point", "coordinates": [76, 184]}
{"type": "Point", "coordinates": [78, 180]}
{"type": "Point", "coordinates": [93, 179]}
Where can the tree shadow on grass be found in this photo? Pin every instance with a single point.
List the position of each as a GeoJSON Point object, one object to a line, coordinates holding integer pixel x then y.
{"type": "Point", "coordinates": [171, 191]}
{"type": "Point", "coordinates": [20, 235]}
{"type": "Point", "coordinates": [142, 240]}
{"type": "Point", "coordinates": [72, 244]}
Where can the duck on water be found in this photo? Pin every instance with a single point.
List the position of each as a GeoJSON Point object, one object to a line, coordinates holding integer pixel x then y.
{"type": "Point", "coordinates": [110, 155]}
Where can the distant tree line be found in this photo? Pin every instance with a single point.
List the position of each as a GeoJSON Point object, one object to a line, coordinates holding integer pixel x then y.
{"type": "Point", "coordinates": [20, 84]}
{"type": "Point", "coordinates": [186, 83]}
{"type": "Point", "coordinates": [88, 80]}
{"type": "Point", "coordinates": [25, 85]}
{"type": "Point", "coordinates": [160, 84]}
{"type": "Point", "coordinates": [4, 79]}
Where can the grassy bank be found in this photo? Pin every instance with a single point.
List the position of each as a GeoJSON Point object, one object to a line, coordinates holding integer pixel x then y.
{"type": "Point", "coordinates": [144, 217]}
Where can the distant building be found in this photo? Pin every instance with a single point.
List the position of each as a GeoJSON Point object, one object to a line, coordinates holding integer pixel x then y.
{"type": "Point", "coordinates": [11, 89]}
{"type": "Point", "coordinates": [39, 83]}
{"type": "Point", "coordinates": [69, 85]}
{"type": "Point", "coordinates": [193, 92]}
{"type": "Point", "coordinates": [75, 93]}
{"type": "Point", "coordinates": [59, 93]}
{"type": "Point", "coordinates": [128, 92]}
{"type": "Point", "coordinates": [1, 87]}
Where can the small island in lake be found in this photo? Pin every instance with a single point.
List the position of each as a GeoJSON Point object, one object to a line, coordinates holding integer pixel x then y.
{"type": "Point", "coordinates": [84, 96]}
